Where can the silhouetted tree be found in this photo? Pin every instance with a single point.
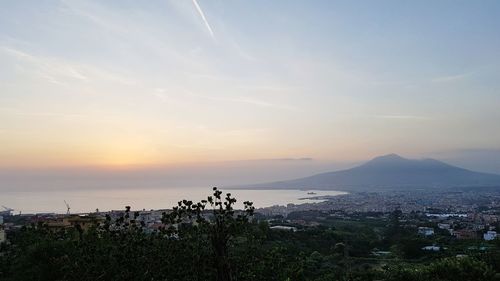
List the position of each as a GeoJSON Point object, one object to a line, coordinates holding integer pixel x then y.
{"type": "Point", "coordinates": [217, 216]}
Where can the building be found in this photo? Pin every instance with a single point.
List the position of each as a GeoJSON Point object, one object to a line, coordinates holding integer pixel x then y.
{"type": "Point", "coordinates": [426, 231]}
{"type": "Point", "coordinates": [465, 234]}
{"type": "Point", "coordinates": [490, 235]}
{"type": "Point", "coordinates": [283, 227]}
{"type": "Point", "coordinates": [82, 222]}
{"type": "Point", "coordinates": [477, 227]}
{"type": "Point", "coordinates": [381, 253]}
{"type": "Point", "coordinates": [3, 236]}
{"type": "Point", "coordinates": [444, 226]}
{"type": "Point", "coordinates": [431, 248]}
{"type": "Point", "coordinates": [6, 213]}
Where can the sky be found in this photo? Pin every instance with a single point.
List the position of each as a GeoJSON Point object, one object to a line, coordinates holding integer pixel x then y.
{"type": "Point", "coordinates": [109, 85]}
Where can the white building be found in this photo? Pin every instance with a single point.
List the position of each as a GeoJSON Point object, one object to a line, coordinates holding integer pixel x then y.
{"type": "Point", "coordinates": [426, 231]}
{"type": "Point", "coordinates": [431, 248]}
{"type": "Point", "coordinates": [444, 226]}
{"type": "Point", "coordinates": [490, 235]}
{"type": "Point", "coordinates": [283, 227]}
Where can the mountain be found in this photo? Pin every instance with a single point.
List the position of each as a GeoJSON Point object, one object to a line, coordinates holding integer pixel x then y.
{"type": "Point", "coordinates": [390, 172]}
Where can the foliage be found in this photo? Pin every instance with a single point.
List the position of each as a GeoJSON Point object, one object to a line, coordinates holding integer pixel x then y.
{"type": "Point", "coordinates": [210, 240]}
{"type": "Point", "coordinates": [448, 269]}
{"type": "Point", "coordinates": [224, 224]}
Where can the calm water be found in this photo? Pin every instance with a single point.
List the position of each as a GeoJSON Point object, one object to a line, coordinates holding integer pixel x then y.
{"type": "Point", "coordinates": [115, 199]}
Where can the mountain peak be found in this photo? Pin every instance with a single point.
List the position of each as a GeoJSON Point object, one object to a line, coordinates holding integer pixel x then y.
{"type": "Point", "coordinates": [395, 159]}
{"type": "Point", "coordinates": [391, 156]}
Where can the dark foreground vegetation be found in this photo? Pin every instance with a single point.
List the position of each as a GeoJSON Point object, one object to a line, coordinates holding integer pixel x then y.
{"type": "Point", "coordinates": [209, 240]}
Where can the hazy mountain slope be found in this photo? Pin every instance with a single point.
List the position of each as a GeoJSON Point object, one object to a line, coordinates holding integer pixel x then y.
{"type": "Point", "coordinates": [390, 171]}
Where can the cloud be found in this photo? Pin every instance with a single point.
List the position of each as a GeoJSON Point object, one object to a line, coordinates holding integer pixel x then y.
{"type": "Point", "coordinates": [202, 15]}
{"type": "Point", "coordinates": [287, 159]}
{"type": "Point", "coordinates": [13, 111]}
{"type": "Point", "coordinates": [450, 78]}
{"type": "Point", "coordinates": [402, 117]}
{"type": "Point", "coordinates": [255, 102]}
{"type": "Point", "coordinates": [134, 36]}
{"type": "Point", "coordinates": [62, 72]}
{"type": "Point", "coordinates": [49, 69]}
{"type": "Point", "coordinates": [93, 13]}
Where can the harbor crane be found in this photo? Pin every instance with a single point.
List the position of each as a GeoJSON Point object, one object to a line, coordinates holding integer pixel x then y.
{"type": "Point", "coordinates": [67, 207]}
{"type": "Point", "coordinates": [8, 211]}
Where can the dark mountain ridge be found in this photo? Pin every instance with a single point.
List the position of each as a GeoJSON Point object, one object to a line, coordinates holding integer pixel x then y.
{"type": "Point", "coordinates": [390, 172]}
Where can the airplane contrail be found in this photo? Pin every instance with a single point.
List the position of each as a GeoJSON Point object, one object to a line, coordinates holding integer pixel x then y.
{"type": "Point", "coordinates": [200, 11]}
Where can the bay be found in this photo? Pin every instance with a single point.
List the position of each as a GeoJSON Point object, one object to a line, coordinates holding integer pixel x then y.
{"type": "Point", "coordinates": [88, 200]}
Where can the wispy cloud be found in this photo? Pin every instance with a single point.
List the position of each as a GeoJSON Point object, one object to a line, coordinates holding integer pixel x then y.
{"type": "Point", "coordinates": [132, 32]}
{"type": "Point", "coordinates": [287, 159]}
{"type": "Point", "coordinates": [450, 78]}
{"type": "Point", "coordinates": [256, 102]}
{"type": "Point", "coordinates": [94, 14]}
{"type": "Point", "coordinates": [202, 15]}
{"type": "Point", "coordinates": [253, 101]}
{"type": "Point", "coordinates": [13, 111]}
{"type": "Point", "coordinates": [402, 117]}
{"type": "Point", "coordinates": [59, 71]}
{"type": "Point", "coordinates": [49, 69]}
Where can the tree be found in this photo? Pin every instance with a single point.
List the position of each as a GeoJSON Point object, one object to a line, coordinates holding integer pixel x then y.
{"type": "Point", "coordinates": [447, 269]}
{"type": "Point", "coordinates": [460, 269]}
{"type": "Point", "coordinates": [393, 231]}
{"type": "Point", "coordinates": [221, 223]}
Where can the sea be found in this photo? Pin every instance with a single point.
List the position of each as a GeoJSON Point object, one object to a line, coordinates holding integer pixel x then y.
{"type": "Point", "coordinates": [106, 199]}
